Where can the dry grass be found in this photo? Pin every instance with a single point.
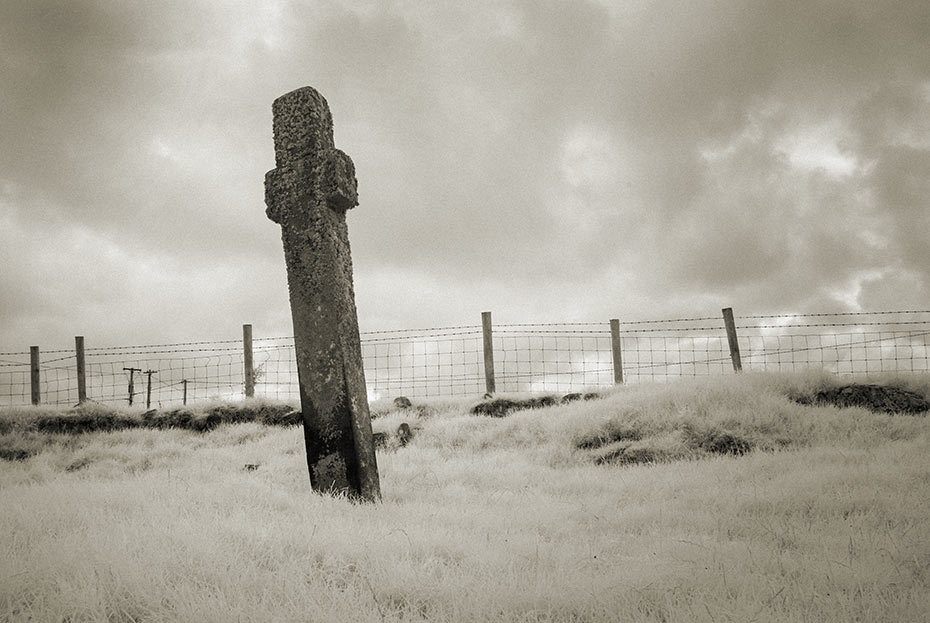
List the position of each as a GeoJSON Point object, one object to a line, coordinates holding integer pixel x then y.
{"type": "Point", "coordinates": [487, 519]}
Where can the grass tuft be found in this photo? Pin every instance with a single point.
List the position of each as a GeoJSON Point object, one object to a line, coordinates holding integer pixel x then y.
{"type": "Point", "coordinates": [75, 423]}
{"type": "Point", "coordinates": [600, 438]}
{"type": "Point", "coordinates": [723, 442]}
{"type": "Point", "coordinates": [877, 398]}
{"type": "Point", "coordinates": [14, 454]}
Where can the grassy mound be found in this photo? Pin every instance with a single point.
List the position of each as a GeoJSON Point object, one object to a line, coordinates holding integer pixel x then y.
{"type": "Point", "coordinates": [686, 420]}
{"type": "Point", "coordinates": [731, 416]}
{"type": "Point", "coordinates": [659, 423]}
{"type": "Point", "coordinates": [24, 432]}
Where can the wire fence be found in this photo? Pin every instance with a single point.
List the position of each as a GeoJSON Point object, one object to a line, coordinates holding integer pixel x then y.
{"type": "Point", "coordinates": [450, 361]}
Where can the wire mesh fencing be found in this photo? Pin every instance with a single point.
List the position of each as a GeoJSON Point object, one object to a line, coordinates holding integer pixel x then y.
{"type": "Point", "coordinates": [453, 361]}
{"type": "Point", "coordinates": [848, 343]}
{"type": "Point", "coordinates": [842, 343]}
{"type": "Point", "coordinates": [424, 362]}
{"type": "Point", "coordinates": [552, 357]}
{"type": "Point", "coordinates": [161, 374]}
{"type": "Point", "coordinates": [415, 362]}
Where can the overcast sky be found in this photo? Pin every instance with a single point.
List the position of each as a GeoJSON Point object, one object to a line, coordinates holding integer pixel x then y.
{"type": "Point", "coordinates": [546, 161]}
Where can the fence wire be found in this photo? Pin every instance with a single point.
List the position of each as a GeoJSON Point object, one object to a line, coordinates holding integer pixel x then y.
{"type": "Point", "coordinates": [449, 361]}
{"type": "Point", "coordinates": [552, 357]}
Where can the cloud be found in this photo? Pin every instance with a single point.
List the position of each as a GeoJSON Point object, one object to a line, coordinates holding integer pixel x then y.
{"type": "Point", "coordinates": [553, 160]}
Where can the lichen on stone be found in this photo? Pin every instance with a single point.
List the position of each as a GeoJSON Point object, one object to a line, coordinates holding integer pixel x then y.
{"type": "Point", "coordinates": [308, 194]}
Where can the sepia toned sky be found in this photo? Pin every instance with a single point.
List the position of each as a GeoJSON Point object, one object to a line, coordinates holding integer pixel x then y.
{"type": "Point", "coordinates": [546, 161]}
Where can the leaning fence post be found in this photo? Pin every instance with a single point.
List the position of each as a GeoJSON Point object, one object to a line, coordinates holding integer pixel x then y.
{"type": "Point", "coordinates": [732, 339]}
{"type": "Point", "coordinates": [34, 372]}
{"type": "Point", "coordinates": [247, 360]}
{"type": "Point", "coordinates": [615, 350]}
{"type": "Point", "coordinates": [81, 376]}
{"type": "Point", "coordinates": [488, 352]}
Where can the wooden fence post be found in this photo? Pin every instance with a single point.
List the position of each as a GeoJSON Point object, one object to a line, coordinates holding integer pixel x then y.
{"type": "Point", "coordinates": [489, 383]}
{"type": "Point", "coordinates": [34, 373]}
{"type": "Point", "coordinates": [132, 377]}
{"type": "Point", "coordinates": [81, 374]}
{"type": "Point", "coordinates": [732, 339]}
{"type": "Point", "coordinates": [184, 399]}
{"type": "Point", "coordinates": [148, 389]}
{"type": "Point", "coordinates": [615, 350]}
{"type": "Point", "coordinates": [247, 359]}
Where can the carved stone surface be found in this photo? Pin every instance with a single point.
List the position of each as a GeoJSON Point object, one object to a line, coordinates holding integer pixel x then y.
{"type": "Point", "coordinates": [308, 193]}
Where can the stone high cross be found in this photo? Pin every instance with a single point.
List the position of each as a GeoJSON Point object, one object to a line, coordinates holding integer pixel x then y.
{"type": "Point", "coordinates": [308, 193]}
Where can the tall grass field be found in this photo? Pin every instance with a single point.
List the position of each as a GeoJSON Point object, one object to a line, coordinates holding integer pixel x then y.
{"type": "Point", "coordinates": [714, 499]}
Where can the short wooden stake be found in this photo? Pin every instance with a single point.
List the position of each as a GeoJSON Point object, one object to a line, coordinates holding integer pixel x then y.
{"type": "Point", "coordinates": [132, 376]}
{"type": "Point", "coordinates": [732, 339]}
{"type": "Point", "coordinates": [615, 350]}
{"type": "Point", "coordinates": [34, 373]}
{"type": "Point", "coordinates": [81, 375]}
{"type": "Point", "coordinates": [184, 398]}
{"type": "Point", "coordinates": [486, 329]}
{"type": "Point", "coordinates": [247, 361]}
{"type": "Point", "coordinates": [148, 389]}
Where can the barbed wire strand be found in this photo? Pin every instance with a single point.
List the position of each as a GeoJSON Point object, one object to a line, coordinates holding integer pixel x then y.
{"type": "Point", "coordinates": [873, 313]}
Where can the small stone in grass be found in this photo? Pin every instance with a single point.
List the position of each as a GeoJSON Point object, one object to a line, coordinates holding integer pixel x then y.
{"type": "Point", "coordinates": [402, 402]}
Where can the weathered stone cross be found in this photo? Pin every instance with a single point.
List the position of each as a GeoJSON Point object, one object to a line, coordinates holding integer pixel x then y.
{"type": "Point", "coordinates": [308, 194]}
